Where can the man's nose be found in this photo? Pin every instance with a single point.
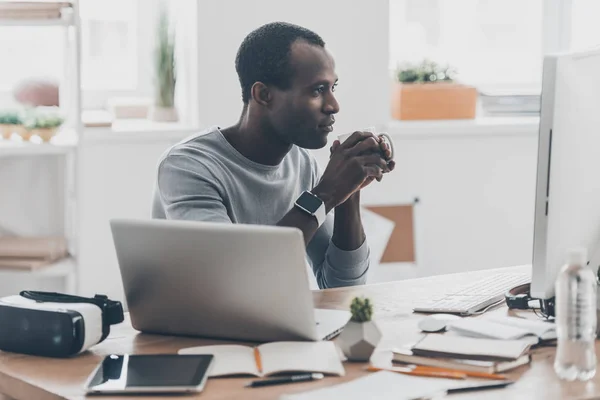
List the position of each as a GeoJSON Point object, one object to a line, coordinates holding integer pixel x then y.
{"type": "Point", "coordinates": [331, 106]}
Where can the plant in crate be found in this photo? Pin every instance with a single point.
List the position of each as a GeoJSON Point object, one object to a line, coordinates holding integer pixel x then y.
{"type": "Point", "coordinates": [10, 121]}
{"type": "Point", "coordinates": [428, 90]}
{"type": "Point", "coordinates": [45, 124]}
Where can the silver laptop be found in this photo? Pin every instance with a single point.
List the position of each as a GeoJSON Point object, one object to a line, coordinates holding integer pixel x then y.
{"type": "Point", "coordinates": [234, 281]}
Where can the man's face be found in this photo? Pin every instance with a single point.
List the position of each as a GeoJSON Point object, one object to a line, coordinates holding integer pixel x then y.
{"type": "Point", "coordinates": [303, 114]}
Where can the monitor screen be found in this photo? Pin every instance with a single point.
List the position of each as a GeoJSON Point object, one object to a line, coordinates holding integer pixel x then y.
{"type": "Point", "coordinates": [567, 208]}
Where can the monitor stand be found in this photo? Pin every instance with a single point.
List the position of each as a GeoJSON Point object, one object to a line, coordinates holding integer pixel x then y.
{"type": "Point", "coordinates": [547, 305]}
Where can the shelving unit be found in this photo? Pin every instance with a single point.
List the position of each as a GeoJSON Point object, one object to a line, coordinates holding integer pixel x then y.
{"type": "Point", "coordinates": [64, 144]}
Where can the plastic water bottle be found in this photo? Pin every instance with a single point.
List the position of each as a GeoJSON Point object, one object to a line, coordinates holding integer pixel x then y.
{"type": "Point", "coordinates": [575, 310]}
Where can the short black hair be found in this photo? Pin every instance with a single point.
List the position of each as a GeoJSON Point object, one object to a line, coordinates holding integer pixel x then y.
{"type": "Point", "coordinates": [264, 55]}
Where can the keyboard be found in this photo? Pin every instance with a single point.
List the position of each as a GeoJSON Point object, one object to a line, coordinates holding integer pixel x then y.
{"type": "Point", "coordinates": [476, 296]}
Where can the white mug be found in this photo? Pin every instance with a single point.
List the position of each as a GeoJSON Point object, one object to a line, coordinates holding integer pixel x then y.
{"type": "Point", "coordinates": [386, 138]}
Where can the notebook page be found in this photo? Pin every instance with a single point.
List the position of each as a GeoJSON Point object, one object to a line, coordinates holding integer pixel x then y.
{"type": "Point", "coordinates": [229, 359]}
{"type": "Point", "coordinates": [381, 385]}
{"type": "Point", "coordinates": [301, 356]}
{"type": "Point", "coordinates": [542, 329]}
{"type": "Point", "coordinates": [482, 328]}
{"type": "Point", "coordinates": [472, 348]}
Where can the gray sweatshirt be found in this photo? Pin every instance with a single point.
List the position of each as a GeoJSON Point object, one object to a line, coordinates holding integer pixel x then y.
{"type": "Point", "coordinates": [204, 178]}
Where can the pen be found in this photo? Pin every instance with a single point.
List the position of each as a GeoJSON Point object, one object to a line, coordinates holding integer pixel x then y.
{"type": "Point", "coordinates": [479, 387]}
{"type": "Point", "coordinates": [285, 379]}
{"type": "Point", "coordinates": [464, 389]}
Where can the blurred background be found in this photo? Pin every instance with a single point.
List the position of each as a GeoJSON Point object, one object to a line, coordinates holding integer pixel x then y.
{"type": "Point", "coordinates": [92, 92]}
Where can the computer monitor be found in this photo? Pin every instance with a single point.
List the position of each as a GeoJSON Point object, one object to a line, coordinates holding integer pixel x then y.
{"type": "Point", "coordinates": [567, 197]}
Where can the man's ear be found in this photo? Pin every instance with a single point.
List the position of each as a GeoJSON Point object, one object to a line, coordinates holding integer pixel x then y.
{"type": "Point", "coordinates": [261, 93]}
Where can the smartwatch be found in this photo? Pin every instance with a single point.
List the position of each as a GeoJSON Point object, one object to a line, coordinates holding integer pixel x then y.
{"type": "Point", "coordinates": [312, 205]}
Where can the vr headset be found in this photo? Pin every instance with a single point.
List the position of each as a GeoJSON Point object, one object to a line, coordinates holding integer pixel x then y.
{"type": "Point", "coordinates": [54, 324]}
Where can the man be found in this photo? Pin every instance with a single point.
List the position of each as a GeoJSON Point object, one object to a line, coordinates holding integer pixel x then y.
{"type": "Point", "coordinates": [259, 171]}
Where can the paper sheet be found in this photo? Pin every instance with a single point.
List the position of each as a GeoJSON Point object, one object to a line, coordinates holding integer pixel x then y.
{"type": "Point", "coordinates": [381, 385]}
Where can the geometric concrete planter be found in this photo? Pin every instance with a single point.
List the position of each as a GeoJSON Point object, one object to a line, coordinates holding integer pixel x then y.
{"type": "Point", "coordinates": [359, 339]}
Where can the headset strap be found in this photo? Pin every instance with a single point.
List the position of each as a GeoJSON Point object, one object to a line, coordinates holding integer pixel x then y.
{"type": "Point", "coordinates": [112, 311]}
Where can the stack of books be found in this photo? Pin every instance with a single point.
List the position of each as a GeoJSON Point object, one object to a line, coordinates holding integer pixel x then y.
{"type": "Point", "coordinates": [510, 102]}
{"type": "Point", "coordinates": [480, 356]}
{"type": "Point", "coordinates": [32, 10]}
{"type": "Point", "coordinates": [30, 253]}
{"type": "Point", "coordinates": [479, 345]}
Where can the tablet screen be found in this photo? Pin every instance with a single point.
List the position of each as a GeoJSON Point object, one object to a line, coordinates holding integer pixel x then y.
{"type": "Point", "coordinates": [152, 372]}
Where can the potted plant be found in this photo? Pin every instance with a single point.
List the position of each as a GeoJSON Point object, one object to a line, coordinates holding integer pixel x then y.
{"type": "Point", "coordinates": [360, 336]}
{"type": "Point", "coordinates": [10, 121]}
{"type": "Point", "coordinates": [165, 74]}
{"type": "Point", "coordinates": [428, 91]}
{"type": "Point", "coordinates": [45, 125]}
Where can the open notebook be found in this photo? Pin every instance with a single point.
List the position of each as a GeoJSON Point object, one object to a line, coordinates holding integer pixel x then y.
{"type": "Point", "coordinates": [272, 358]}
{"type": "Point", "coordinates": [505, 328]}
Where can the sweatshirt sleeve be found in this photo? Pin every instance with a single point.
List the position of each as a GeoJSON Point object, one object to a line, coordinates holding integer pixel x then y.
{"type": "Point", "coordinates": [332, 266]}
{"type": "Point", "coordinates": [187, 190]}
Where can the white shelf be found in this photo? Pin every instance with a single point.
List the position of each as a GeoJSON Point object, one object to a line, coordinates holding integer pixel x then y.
{"type": "Point", "coordinates": [62, 268]}
{"type": "Point", "coordinates": [36, 22]}
{"type": "Point", "coordinates": [138, 130]}
{"type": "Point", "coordinates": [63, 143]}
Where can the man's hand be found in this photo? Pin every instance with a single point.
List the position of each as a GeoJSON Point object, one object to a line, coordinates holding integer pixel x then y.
{"type": "Point", "coordinates": [385, 150]}
{"type": "Point", "coordinates": [353, 165]}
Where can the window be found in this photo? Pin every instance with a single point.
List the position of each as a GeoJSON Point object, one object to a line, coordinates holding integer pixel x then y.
{"type": "Point", "coordinates": [585, 29]}
{"type": "Point", "coordinates": [109, 57]}
{"type": "Point", "coordinates": [491, 43]}
{"type": "Point", "coordinates": [116, 49]}
{"type": "Point", "coordinates": [30, 52]}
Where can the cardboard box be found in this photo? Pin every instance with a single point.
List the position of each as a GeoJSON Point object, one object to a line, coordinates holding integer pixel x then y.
{"type": "Point", "coordinates": [422, 101]}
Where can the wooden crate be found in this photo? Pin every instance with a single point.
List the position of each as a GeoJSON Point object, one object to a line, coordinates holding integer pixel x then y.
{"type": "Point", "coordinates": [418, 101]}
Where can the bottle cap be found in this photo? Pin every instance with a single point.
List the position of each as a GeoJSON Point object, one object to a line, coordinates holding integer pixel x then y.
{"type": "Point", "coordinates": [577, 256]}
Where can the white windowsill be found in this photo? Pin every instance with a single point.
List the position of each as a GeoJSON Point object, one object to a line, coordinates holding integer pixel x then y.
{"type": "Point", "coordinates": [142, 130]}
{"type": "Point", "coordinates": [138, 130]}
{"type": "Point", "coordinates": [482, 126]}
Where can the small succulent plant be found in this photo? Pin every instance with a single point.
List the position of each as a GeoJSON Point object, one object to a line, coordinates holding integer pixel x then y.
{"type": "Point", "coordinates": [10, 117]}
{"type": "Point", "coordinates": [361, 309]}
{"type": "Point", "coordinates": [425, 72]}
{"type": "Point", "coordinates": [44, 121]}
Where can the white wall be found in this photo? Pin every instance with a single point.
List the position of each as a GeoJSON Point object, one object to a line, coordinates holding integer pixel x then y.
{"type": "Point", "coordinates": [476, 200]}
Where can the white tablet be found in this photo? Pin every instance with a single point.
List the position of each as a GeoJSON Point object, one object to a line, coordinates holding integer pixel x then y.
{"type": "Point", "coordinates": [150, 373]}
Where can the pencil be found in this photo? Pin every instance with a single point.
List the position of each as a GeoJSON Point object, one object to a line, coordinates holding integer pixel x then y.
{"type": "Point", "coordinates": [418, 372]}
{"type": "Point", "coordinates": [471, 374]}
{"type": "Point", "coordinates": [257, 359]}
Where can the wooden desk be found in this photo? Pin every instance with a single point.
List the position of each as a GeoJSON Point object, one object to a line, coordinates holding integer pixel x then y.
{"type": "Point", "coordinates": [27, 377]}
